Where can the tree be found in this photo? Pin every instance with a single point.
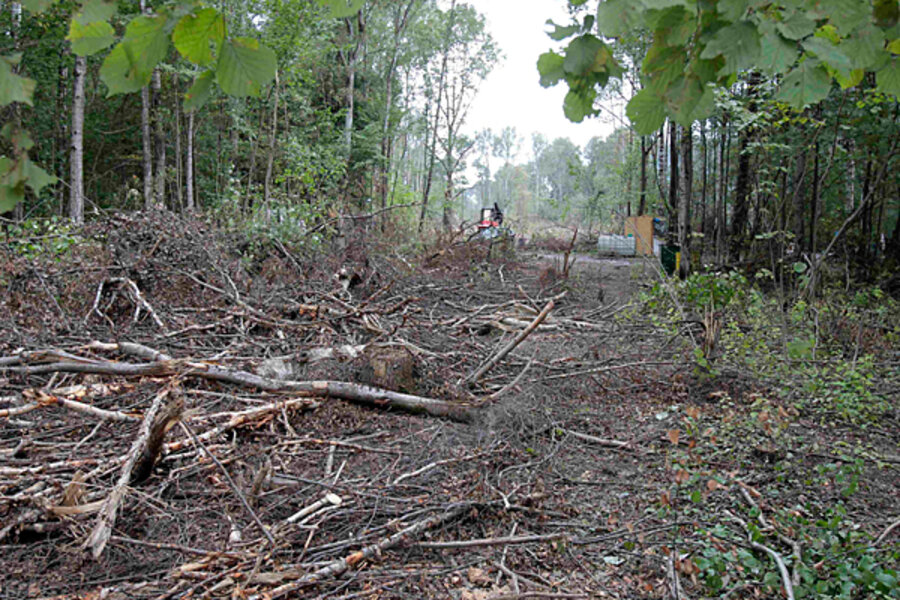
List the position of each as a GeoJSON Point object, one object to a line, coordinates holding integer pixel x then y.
{"type": "Point", "coordinates": [76, 180]}
{"type": "Point", "coordinates": [697, 46]}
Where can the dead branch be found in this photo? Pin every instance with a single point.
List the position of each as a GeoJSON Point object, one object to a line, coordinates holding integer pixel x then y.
{"type": "Point", "coordinates": [509, 347]}
{"type": "Point", "coordinates": [596, 440]}
{"type": "Point", "coordinates": [342, 565]}
{"type": "Point", "coordinates": [361, 394]}
{"type": "Point", "coordinates": [107, 518]}
{"type": "Point", "coordinates": [502, 541]}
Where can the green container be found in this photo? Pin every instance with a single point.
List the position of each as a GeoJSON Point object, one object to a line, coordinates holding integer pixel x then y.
{"type": "Point", "coordinates": [670, 257]}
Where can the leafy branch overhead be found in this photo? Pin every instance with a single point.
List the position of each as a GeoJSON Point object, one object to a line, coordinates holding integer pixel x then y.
{"type": "Point", "coordinates": [240, 66]}
{"type": "Point", "coordinates": [805, 46]}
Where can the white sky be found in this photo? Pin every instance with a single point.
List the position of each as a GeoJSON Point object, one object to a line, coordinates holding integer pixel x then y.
{"type": "Point", "coordinates": [512, 95]}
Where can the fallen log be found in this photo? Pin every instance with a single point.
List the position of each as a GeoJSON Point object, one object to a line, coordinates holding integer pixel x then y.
{"type": "Point", "coordinates": [352, 392]}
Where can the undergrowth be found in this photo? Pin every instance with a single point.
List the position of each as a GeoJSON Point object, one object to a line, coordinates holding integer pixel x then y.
{"type": "Point", "coordinates": [762, 477]}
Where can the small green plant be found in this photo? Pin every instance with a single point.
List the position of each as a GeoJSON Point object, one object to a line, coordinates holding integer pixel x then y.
{"type": "Point", "coordinates": [32, 238]}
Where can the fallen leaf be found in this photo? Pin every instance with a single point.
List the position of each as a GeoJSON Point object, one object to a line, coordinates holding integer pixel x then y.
{"type": "Point", "coordinates": [673, 436]}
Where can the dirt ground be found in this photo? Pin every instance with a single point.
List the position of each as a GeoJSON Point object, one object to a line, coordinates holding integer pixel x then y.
{"type": "Point", "coordinates": [566, 480]}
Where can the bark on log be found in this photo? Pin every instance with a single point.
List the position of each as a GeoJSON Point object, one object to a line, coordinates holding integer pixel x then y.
{"type": "Point", "coordinates": [107, 518]}
{"type": "Point", "coordinates": [360, 394]}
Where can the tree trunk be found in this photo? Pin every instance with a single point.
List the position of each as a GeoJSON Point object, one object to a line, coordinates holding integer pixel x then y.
{"type": "Point", "coordinates": [742, 188]}
{"type": "Point", "coordinates": [159, 142]}
{"type": "Point", "coordinates": [705, 169]}
{"type": "Point", "coordinates": [59, 139]}
{"type": "Point", "coordinates": [799, 195]}
{"type": "Point", "coordinates": [725, 172]}
{"type": "Point", "coordinates": [684, 207]}
{"type": "Point", "coordinates": [673, 173]}
{"type": "Point", "coordinates": [267, 193]}
{"type": "Point", "coordinates": [642, 206]}
{"type": "Point", "coordinates": [437, 115]}
{"type": "Point", "coordinates": [179, 176]}
{"type": "Point", "coordinates": [145, 138]}
{"type": "Point", "coordinates": [814, 202]}
{"type": "Point", "coordinates": [401, 19]}
{"type": "Point", "coordinates": [76, 182]}
{"type": "Point", "coordinates": [352, 61]}
{"type": "Point", "coordinates": [189, 163]}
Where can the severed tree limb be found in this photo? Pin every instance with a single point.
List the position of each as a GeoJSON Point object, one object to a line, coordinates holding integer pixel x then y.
{"type": "Point", "coordinates": [19, 410]}
{"type": "Point", "coordinates": [501, 541]}
{"type": "Point", "coordinates": [239, 418]}
{"type": "Point", "coordinates": [340, 566]}
{"type": "Point", "coordinates": [107, 518]}
{"type": "Point", "coordinates": [352, 392]}
{"type": "Point", "coordinates": [474, 377]}
{"type": "Point", "coordinates": [596, 440]}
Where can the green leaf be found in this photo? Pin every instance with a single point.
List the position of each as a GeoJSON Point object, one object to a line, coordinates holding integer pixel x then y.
{"type": "Point", "coordinates": [828, 53]}
{"type": "Point", "coordinates": [196, 35]}
{"type": "Point", "coordinates": [13, 87]}
{"type": "Point", "coordinates": [244, 67]}
{"type": "Point", "coordinates": [851, 79]}
{"type": "Point", "coordinates": [200, 91]}
{"type": "Point", "coordinates": [864, 47]}
{"type": "Point", "coordinates": [90, 39]}
{"type": "Point", "coordinates": [777, 55]}
{"type": "Point", "coordinates": [846, 15]}
{"type": "Point", "coordinates": [117, 73]}
{"type": "Point", "coordinates": [130, 65]}
{"type": "Point", "coordinates": [738, 43]}
{"type": "Point", "coordinates": [888, 78]}
{"type": "Point", "coordinates": [37, 6]}
{"type": "Point", "coordinates": [579, 104]}
{"type": "Point", "coordinates": [894, 47]}
{"type": "Point", "coordinates": [15, 175]}
{"type": "Point", "coordinates": [18, 137]}
{"type": "Point", "coordinates": [674, 26]}
{"type": "Point", "coordinates": [797, 26]}
{"type": "Point", "coordinates": [341, 9]}
{"type": "Point", "coordinates": [35, 177]}
{"type": "Point", "coordinates": [550, 66]}
{"type": "Point", "coordinates": [560, 33]}
{"type": "Point", "coordinates": [732, 10]}
{"type": "Point", "coordinates": [808, 83]}
{"type": "Point", "coordinates": [93, 11]}
{"type": "Point", "coordinates": [663, 65]}
{"type": "Point", "coordinates": [615, 18]}
{"type": "Point", "coordinates": [647, 111]}
{"type": "Point", "coordinates": [582, 54]}
{"type": "Point", "coordinates": [683, 97]}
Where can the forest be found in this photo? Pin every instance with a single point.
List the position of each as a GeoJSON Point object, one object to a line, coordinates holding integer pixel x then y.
{"type": "Point", "coordinates": [262, 336]}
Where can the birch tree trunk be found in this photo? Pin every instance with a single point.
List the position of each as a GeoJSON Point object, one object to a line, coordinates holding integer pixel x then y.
{"type": "Point", "coordinates": [76, 183]}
